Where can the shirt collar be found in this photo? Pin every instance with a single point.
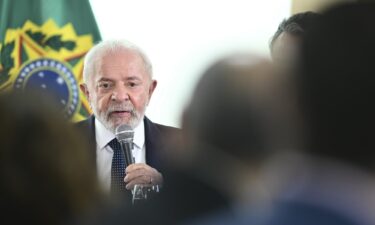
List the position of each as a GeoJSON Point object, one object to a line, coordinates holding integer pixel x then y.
{"type": "Point", "coordinates": [139, 135]}
{"type": "Point", "coordinates": [104, 136]}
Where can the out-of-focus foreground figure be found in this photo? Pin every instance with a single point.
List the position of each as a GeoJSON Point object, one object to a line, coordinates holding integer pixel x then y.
{"type": "Point", "coordinates": [333, 181]}
{"type": "Point", "coordinates": [45, 173]}
{"type": "Point", "coordinates": [287, 39]}
{"type": "Point", "coordinates": [238, 116]}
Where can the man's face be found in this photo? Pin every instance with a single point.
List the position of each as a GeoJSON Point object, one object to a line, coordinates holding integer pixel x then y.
{"type": "Point", "coordinates": [120, 91]}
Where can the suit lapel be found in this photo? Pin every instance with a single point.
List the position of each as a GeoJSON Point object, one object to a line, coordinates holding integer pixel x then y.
{"type": "Point", "coordinates": [152, 141]}
{"type": "Point", "coordinates": [91, 132]}
{"type": "Point", "coordinates": [87, 127]}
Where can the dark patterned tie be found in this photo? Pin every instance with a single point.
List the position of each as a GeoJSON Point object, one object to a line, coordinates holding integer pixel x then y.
{"type": "Point", "coordinates": [118, 168]}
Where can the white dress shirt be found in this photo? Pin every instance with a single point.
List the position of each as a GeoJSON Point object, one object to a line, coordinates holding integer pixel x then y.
{"type": "Point", "coordinates": [104, 152]}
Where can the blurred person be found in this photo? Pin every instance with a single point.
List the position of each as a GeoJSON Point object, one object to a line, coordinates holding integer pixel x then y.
{"type": "Point", "coordinates": [331, 180]}
{"type": "Point", "coordinates": [46, 176]}
{"type": "Point", "coordinates": [240, 115]}
{"type": "Point", "coordinates": [118, 85]}
{"type": "Point", "coordinates": [286, 41]}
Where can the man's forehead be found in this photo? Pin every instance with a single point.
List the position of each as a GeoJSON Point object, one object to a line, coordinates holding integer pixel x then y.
{"type": "Point", "coordinates": [122, 56]}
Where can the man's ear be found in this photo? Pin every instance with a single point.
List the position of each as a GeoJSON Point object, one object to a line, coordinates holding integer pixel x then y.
{"type": "Point", "coordinates": [85, 91]}
{"type": "Point", "coordinates": [153, 85]}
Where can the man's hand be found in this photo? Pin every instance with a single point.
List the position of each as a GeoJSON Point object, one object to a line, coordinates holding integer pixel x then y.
{"type": "Point", "coordinates": [140, 173]}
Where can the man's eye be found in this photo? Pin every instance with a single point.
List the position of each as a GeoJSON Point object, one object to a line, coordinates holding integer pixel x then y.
{"type": "Point", "coordinates": [104, 85]}
{"type": "Point", "coordinates": [132, 84]}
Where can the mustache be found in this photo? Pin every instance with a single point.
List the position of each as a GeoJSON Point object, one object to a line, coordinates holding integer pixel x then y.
{"type": "Point", "coordinates": [121, 107]}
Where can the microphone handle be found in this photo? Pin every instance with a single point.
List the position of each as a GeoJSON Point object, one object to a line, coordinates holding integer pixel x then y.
{"type": "Point", "coordinates": [127, 149]}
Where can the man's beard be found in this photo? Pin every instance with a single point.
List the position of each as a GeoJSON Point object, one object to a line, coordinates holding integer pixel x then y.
{"type": "Point", "coordinates": [111, 123]}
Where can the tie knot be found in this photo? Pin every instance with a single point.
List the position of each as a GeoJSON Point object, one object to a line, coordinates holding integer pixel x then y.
{"type": "Point", "coordinates": [115, 145]}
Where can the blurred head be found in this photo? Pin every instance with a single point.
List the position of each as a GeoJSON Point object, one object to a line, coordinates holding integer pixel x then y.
{"type": "Point", "coordinates": [239, 107]}
{"type": "Point", "coordinates": [46, 175]}
{"type": "Point", "coordinates": [286, 42]}
{"type": "Point", "coordinates": [336, 84]}
{"type": "Point", "coordinates": [118, 83]}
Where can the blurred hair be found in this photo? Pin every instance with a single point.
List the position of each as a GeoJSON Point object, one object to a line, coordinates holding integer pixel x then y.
{"type": "Point", "coordinates": [94, 57]}
{"type": "Point", "coordinates": [336, 84]}
{"type": "Point", "coordinates": [298, 24]}
{"type": "Point", "coordinates": [236, 107]}
{"type": "Point", "coordinates": [46, 175]}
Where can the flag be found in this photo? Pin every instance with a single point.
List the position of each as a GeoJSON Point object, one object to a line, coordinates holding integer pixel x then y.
{"type": "Point", "coordinates": [42, 46]}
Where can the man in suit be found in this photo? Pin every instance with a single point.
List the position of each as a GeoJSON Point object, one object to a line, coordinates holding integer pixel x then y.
{"type": "Point", "coordinates": [118, 85]}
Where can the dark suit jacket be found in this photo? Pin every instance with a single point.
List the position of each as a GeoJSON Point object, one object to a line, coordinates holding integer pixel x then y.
{"type": "Point", "coordinates": [184, 195]}
{"type": "Point", "coordinates": [156, 137]}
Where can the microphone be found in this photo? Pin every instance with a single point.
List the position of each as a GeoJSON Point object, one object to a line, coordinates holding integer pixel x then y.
{"type": "Point", "coordinates": [125, 134]}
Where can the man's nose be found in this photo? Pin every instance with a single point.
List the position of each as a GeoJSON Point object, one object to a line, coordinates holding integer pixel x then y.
{"type": "Point", "coordinates": [120, 94]}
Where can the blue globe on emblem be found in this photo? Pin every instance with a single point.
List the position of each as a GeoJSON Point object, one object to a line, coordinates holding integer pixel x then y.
{"type": "Point", "coordinates": [53, 78]}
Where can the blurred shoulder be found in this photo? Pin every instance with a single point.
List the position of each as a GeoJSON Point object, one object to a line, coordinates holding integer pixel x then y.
{"type": "Point", "coordinates": [160, 127]}
{"type": "Point", "coordinates": [164, 128]}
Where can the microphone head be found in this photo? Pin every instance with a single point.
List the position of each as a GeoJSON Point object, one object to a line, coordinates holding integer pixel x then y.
{"type": "Point", "coordinates": [124, 133]}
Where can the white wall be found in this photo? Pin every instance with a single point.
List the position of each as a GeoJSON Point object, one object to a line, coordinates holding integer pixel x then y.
{"type": "Point", "coordinates": [183, 37]}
